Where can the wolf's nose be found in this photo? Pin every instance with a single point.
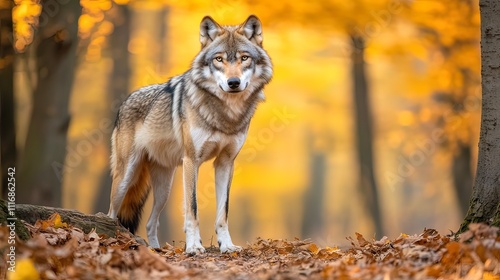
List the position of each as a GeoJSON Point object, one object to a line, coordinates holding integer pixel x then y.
{"type": "Point", "coordinates": [233, 82]}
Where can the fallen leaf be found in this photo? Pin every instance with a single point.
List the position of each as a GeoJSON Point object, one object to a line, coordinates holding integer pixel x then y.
{"type": "Point", "coordinates": [313, 248]}
{"type": "Point", "coordinates": [361, 240]}
{"type": "Point", "coordinates": [24, 270]}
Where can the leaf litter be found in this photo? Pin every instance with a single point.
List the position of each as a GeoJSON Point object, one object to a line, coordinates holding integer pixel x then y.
{"type": "Point", "coordinates": [60, 251]}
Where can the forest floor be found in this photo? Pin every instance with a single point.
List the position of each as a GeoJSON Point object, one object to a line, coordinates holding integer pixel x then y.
{"type": "Point", "coordinates": [60, 251]}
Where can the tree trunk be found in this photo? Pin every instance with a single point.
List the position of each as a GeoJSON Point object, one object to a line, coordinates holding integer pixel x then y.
{"type": "Point", "coordinates": [32, 213]}
{"type": "Point", "coordinates": [8, 132]}
{"type": "Point", "coordinates": [484, 205]}
{"type": "Point", "coordinates": [41, 169]}
{"type": "Point", "coordinates": [164, 228]}
{"type": "Point", "coordinates": [312, 222]}
{"type": "Point", "coordinates": [364, 136]}
{"type": "Point", "coordinates": [462, 176]}
{"type": "Point", "coordinates": [118, 88]}
{"type": "Point", "coordinates": [152, 23]}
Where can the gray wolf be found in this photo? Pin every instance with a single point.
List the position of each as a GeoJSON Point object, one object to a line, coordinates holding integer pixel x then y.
{"type": "Point", "coordinates": [194, 117]}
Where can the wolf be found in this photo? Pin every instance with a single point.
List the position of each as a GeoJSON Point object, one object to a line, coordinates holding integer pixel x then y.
{"type": "Point", "coordinates": [194, 117]}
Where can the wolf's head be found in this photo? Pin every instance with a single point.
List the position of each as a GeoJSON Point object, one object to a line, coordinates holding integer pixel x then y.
{"type": "Point", "coordinates": [232, 60]}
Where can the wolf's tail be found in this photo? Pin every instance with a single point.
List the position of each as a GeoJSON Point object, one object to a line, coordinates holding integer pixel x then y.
{"type": "Point", "coordinates": [130, 211]}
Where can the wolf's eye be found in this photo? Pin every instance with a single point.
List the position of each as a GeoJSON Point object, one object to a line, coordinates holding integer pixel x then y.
{"type": "Point", "coordinates": [219, 59]}
{"type": "Point", "coordinates": [244, 57]}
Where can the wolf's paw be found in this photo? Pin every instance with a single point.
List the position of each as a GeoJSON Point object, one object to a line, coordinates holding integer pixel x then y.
{"type": "Point", "coordinates": [230, 248]}
{"type": "Point", "coordinates": [153, 243]}
{"type": "Point", "coordinates": [195, 249]}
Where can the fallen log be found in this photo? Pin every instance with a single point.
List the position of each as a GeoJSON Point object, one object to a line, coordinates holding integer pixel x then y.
{"type": "Point", "coordinates": [32, 213]}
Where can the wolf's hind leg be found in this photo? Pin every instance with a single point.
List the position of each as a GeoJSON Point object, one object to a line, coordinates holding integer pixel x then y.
{"type": "Point", "coordinates": [128, 180]}
{"type": "Point", "coordinates": [113, 213]}
{"type": "Point", "coordinates": [161, 181]}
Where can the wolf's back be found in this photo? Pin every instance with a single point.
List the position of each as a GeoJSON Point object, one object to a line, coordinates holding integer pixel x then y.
{"type": "Point", "coordinates": [140, 103]}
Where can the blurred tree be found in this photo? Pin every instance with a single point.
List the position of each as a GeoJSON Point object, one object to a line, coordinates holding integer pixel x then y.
{"type": "Point", "coordinates": [451, 34]}
{"type": "Point", "coordinates": [7, 56]}
{"type": "Point", "coordinates": [462, 175]}
{"type": "Point", "coordinates": [312, 222]}
{"type": "Point", "coordinates": [485, 201]}
{"type": "Point", "coordinates": [162, 19]}
{"type": "Point", "coordinates": [364, 135]}
{"type": "Point", "coordinates": [42, 163]}
{"type": "Point", "coordinates": [118, 86]}
{"type": "Point", "coordinates": [360, 21]}
{"type": "Point", "coordinates": [149, 52]}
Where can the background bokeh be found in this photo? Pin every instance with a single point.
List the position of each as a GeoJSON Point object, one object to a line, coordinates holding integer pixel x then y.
{"type": "Point", "coordinates": [298, 173]}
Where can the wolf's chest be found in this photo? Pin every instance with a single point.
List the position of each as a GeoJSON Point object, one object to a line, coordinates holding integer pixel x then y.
{"type": "Point", "coordinates": [208, 144]}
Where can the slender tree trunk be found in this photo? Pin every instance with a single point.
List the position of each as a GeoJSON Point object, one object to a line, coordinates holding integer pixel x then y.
{"type": "Point", "coordinates": [153, 26]}
{"type": "Point", "coordinates": [312, 222]}
{"type": "Point", "coordinates": [41, 170]}
{"type": "Point", "coordinates": [462, 176]}
{"type": "Point", "coordinates": [8, 131]}
{"type": "Point", "coordinates": [364, 135]}
{"type": "Point", "coordinates": [484, 205]}
{"type": "Point", "coordinates": [7, 115]}
{"type": "Point", "coordinates": [118, 88]}
{"type": "Point", "coordinates": [164, 228]}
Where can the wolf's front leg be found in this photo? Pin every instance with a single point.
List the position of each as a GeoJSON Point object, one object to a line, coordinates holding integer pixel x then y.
{"type": "Point", "coordinates": [223, 177]}
{"type": "Point", "coordinates": [191, 223]}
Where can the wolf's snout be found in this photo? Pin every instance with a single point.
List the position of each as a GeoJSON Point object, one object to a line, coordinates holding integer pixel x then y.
{"type": "Point", "coordinates": [233, 82]}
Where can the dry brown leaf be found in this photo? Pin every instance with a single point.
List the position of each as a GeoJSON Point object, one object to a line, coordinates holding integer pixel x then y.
{"type": "Point", "coordinates": [361, 240]}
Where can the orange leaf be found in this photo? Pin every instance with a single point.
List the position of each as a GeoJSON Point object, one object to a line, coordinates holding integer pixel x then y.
{"type": "Point", "coordinates": [57, 221]}
{"type": "Point", "coordinates": [313, 248]}
{"type": "Point", "coordinates": [361, 240]}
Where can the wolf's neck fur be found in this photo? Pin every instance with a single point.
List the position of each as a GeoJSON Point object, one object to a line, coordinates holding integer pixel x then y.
{"type": "Point", "coordinates": [226, 112]}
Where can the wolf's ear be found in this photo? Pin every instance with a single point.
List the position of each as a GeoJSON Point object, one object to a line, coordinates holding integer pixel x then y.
{"type": "Point", "coordinates": [252, 29]}
{"type": "Point", "coordinates": [209, 30]}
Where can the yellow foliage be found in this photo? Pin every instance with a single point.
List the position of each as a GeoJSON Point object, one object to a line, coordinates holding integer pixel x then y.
{"type": "Point", "coordinates": [58, 223]}
{"type": "Point", "coordinates": [490, 276]}
{"type": "Point", "coordinates": [85, 23]}
{"type": "Point", "coordinates": [412, 52]}
{"type": "Point", "coordinates": [25, 18]}
{"type": "Point", "coordinates": [25, 270]}
{"type": "Point", "coordinates": [96, 6]}
{"type": "Point", "coordinates": [106, 28]}
{"type": "Point", "coordinates": [92, 25]}
{"type": "Point", "coordinates": [406, 118]}
{"type": "Point", "coordinates": [54, 221]}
